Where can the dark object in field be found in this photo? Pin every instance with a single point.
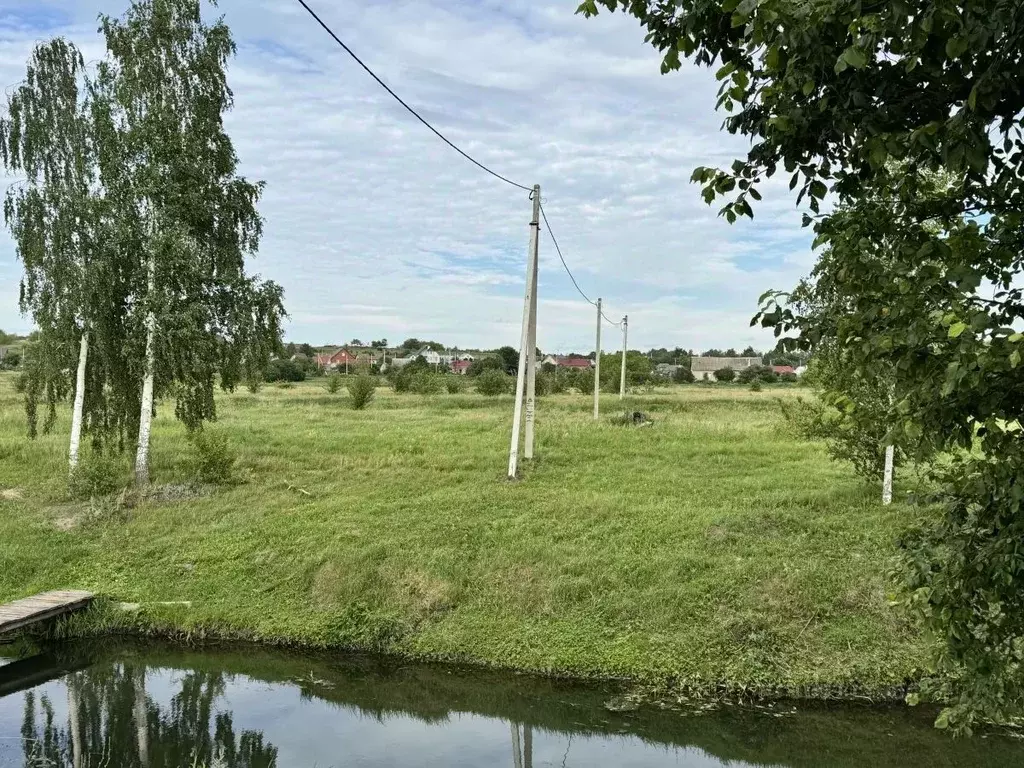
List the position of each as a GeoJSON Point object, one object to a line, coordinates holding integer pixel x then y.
{"type": "Point", "coordinates": [634, 418]}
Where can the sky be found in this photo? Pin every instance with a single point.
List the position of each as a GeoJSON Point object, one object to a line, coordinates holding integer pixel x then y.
{"type": "Point", "coordinates": [376, 229]}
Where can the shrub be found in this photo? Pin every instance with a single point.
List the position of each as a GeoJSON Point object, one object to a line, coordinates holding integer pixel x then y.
{"type": "Point", "coordinates": [725, 375]}
{"type": "Point", "coordinates": [762, 373]}
{"type": "Point", "coordinates": [96, 475]}
{"type": "Point", "coordinates": [285, 385]}
{"type": "Point", "coordinates": [454, 385]}
{"type": "Point", "coordinates": [492, 383]}
{"type": "Point", "coordinates": [212, 457]}
{"type": "Point", "coordinates": [482, 364]}
{"type": "Point", "coordinates": [361, 390]}
{"type": "Point", "coordinates": [426, 383]}
{"type": "Point", "coordinates": [21, 383]}
{"type": "Point", "coordinates": [789, 378]}
{"type": "Point", "coordinates": [333, 383]}
{"type": "Point", "coordinates": [284, 370]}
{"type": "Point", "coordinates": [756, 386]}
{"type": "Point", "coordinates": [550, 383]}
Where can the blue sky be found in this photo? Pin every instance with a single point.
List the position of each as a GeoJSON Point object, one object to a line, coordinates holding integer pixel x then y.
{"type": "Point", "coordinates": [376, 229]}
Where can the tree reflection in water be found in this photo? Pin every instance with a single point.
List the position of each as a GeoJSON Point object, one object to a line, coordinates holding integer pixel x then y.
{"type": "Point", "coordinates": [112, 722]}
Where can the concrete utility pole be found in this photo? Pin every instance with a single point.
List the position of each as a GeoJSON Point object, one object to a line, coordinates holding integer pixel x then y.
{"type": "Point", "coordinates": [527, 334]}
{"type": "Point", "coordinates": [531, 359]}
{"type": "Point", "coordinates": [597, 367]}
{"type": "Point", "coordinates": [625, 343]}
{"type": "Point", "coordinates": [890, 455]}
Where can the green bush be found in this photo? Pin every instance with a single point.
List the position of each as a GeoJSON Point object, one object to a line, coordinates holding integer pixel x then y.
{"type": "Point", "coordinates": [789, 378]}
{"type": "Point", "coordinates": [725, 375]}
{"type": "Point", "coordinates": [493, 383]}
{"type": "Point", "coordinates": [284, 370]}
{"type": "Point", "coordinates": [550, 383]}
{"type": "Point", "coordinates": [756, 386]}
{"type": "Point", "coordinates": [426, 383]}
{"type": "Point", "coordinates": [455, 384]}
{"type": "Point", "coordinates": [212, 458]}
{"type": "Point", "coordinates": [333, 383]}
{"type": "Point", "coordinates": [360, 391]}
{"type": "Point", "coordinates": [683, 375]}
{"type": "Point", "coordinates": [95, 476]}
{"type": "Point", "coordinates": [762, 373]}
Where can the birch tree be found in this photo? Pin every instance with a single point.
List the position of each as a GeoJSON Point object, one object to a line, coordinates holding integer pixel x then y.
{"type": "Point", "coordinates": [53, 216]}
{"type": "Point", "coordinates": [170, 169]}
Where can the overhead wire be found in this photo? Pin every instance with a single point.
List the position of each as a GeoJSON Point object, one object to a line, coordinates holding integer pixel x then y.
{"type": "Point", "coordinates": [565, 265]}
{"type": "Point", "coordinates": [464, 154]}
{"type": "Point", "coordinates": [401, 101]}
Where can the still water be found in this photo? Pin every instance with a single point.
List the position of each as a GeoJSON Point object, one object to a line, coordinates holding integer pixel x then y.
{"type": "Point", "coordinates": [162, 706]}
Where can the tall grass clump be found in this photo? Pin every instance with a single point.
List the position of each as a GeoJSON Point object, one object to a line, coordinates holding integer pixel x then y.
{"type": "Point", "coordinates": [360, 391]}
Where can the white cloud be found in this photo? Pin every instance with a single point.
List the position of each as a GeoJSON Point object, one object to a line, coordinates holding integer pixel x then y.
{"type": "Point", "coordinates": [375, 228]}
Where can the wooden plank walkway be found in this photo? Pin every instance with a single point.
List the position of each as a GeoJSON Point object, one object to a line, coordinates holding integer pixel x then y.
{"type": "Point", "coordinates": [30, 610]}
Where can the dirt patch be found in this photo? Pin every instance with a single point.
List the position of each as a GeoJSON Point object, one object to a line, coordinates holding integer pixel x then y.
{"type": "Point", "coordinates": [179, 492]}
{"type": "Point", "coordinates": [11, 494]}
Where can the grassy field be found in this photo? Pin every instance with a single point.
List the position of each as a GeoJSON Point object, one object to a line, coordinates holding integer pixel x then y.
{"type": "Point", "coordinates": [712, 549]}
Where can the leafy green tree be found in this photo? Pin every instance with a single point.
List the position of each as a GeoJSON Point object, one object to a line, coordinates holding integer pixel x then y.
{"type": "Point", "coordinates": [725, 375]}
{"type": "Point", "coordinates": [169, 169]}
{"type": "Point", "coordinates": [683, 375]}
{"type": "Point", "coordinates": [11, 360]}
{"type": "Point", "coordinates": [489, 363]}
{"type": "Point", "coordinates": [830, 92]}
{"type": "Point", "coordinates": [72, 286]}
{"type": "Point", "coordinates": [509, 358]}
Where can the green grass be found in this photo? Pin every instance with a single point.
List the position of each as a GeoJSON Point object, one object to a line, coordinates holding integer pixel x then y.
{"type": "Point", "coordinates": [714, 549]}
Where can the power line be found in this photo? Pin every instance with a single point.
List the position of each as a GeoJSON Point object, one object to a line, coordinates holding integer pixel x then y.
{"type": "Point", "coordinates": [412, 111]}
{"type": "Point", "coordinates": [568, 271]}
{"type": "Point", "coordinates": [447, 141]}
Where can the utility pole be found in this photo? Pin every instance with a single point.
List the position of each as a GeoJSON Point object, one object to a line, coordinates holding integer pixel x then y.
{"type": "Point", "coordinates": [625, 342]}
{"type": "Point", "coordinates": [597, 367]}
{"type": "Point", "coordinates": [531, 359]}
{"type": "Point", "coordinates": [525, 336]}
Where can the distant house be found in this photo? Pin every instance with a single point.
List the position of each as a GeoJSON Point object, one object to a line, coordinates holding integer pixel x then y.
{"type": "Point", "coordinates": [783, 369]}
{"type": "Point", "coordinates": [572, 363]}
{"type": "Point", "coordinates": [704, 367]}
{"type": "Point", "coordinates": [332, 361]}
{"type": "Point", "coordinates": [461, 367]}
{"type": "Point", "coordinates": [667, 370]}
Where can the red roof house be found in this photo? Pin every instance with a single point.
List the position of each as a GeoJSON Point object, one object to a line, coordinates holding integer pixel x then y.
{"type": "Point", "coordinates": [337, 359]}
{"type": "Point", "coordinates": [781, 369]}
{"type": "Point", "coordinates": [461, 367]}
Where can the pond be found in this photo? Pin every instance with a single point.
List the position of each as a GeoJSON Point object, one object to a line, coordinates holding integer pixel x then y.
{"type": "Point", "coordinates": [161, 706]}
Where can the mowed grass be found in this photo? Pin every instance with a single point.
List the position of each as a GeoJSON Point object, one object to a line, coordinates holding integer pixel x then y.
{"type": "Point", "coordinates": [712, 549]}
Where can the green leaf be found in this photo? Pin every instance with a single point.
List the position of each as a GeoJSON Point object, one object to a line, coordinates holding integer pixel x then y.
{"type": "Point", "coordinates": [956, 329]}
{"type": "Point", "coordinates": [808, 88]}
{"type": "Point", "coordinates": [942, 721]}
{"type": "Point", "coordinates": [1015, 358]}
{"type": "Point", "coordinates": [855, 57]}
{"type": "Point", "coordinates": [818, 189]}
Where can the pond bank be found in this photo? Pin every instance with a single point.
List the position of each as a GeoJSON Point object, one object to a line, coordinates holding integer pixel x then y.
{"type": "Point", "coordinates": [144, 703]}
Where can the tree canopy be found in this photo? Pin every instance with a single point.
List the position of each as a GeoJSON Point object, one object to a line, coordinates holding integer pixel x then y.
{"type": "Point", "coordinates": [870, 102]}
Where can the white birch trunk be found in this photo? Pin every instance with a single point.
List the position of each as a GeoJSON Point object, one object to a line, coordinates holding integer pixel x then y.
{"type": "Point", "coordinates": [139, 715]}
{"type": "Point", "coordinates": [79, 406]}
{"type": "Point", "coordinates": [146, 414]}
{"type": "Point", "coordinates": [75, 718]}
{"type": "Point", "coordinates": [890, 454]}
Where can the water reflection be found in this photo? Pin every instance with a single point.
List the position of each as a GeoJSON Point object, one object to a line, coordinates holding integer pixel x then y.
{"type": "Point", "coordinates": [110, 720]}
{"type": "Point", "coordinates": [157, 707]}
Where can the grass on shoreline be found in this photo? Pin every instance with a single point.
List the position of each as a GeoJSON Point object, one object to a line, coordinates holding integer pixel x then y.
{"type": "Point", "coordinates": [712, 549]}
